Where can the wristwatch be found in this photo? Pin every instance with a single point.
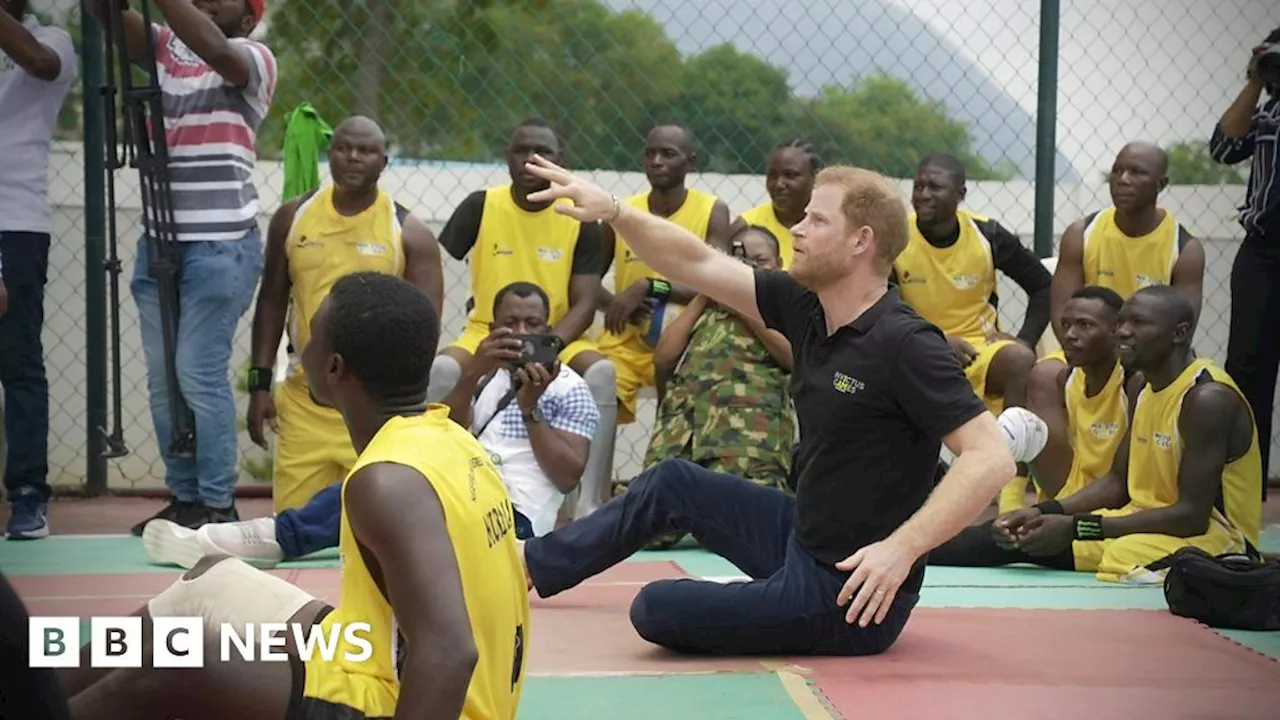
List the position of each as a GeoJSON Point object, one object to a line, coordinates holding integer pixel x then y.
{"type": "Point", "coordinates": [533, 417]}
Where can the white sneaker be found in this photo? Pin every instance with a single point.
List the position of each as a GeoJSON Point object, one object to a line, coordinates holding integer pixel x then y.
{"type": "Point", "coordinates": [253, 541]}
{"type": "Point", "coordinates": [168, 543]}
{"type": "Point", "coordinates": [1025, 432]}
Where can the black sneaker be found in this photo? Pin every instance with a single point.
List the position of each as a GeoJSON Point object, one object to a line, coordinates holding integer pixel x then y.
{"type": "Point", "coordinates": [182, 512]}
{"type": "Point", "coordinates": [221, 515]}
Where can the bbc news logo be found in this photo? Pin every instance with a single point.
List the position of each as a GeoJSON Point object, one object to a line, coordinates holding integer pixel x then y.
{"type": "Point", "coordinates": [179, 642]}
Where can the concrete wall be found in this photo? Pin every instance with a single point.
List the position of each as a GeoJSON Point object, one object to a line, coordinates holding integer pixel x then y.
{"type": "Point", "coordinates": [432, 191]}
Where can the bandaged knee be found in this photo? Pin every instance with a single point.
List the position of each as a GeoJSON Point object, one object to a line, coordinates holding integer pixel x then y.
{"type": "Point", "coordinates": [230, 591]}
{"type": "Point", "coordinates": [602, 380]}
{"type": "Point", "coordinates": [445, 373]}
{"type": "Point", "coordinates": [1024, 433]}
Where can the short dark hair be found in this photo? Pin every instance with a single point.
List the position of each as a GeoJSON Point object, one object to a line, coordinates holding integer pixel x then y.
{"type": "Point", "coordinates": [387, 330]}
{"type": "Point", "coordinates": [1172, 301]}
{"type": "Point", "coordinates": [807, 147]}
{"type": "Point", "coordinates": [762, 230]}
{"type": "Point", "coordinates": [522, 290]}
{"type": "Point", "coordinates": [1109, 297]}
{"type": "Point", "coordinates": [949, 164]}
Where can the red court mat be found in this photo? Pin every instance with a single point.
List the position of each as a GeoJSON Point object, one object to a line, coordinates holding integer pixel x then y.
{"type": "Point", "coordinates": [1043, 664]}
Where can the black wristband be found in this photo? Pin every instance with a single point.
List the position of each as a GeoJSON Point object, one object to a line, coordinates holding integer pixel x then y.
{"type": "Point", "coordinates": [1049, 507]}
{"type": "Point", "coordinates": [260, 379]}
{"type": "Point", "coordinates": [1088, 527]}
{"type": "Point", "coordinates": [659, 288]}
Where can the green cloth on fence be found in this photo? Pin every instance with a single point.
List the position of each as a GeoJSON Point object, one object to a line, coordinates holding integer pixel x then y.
{"type": "Point", "coordinates": [305, 137]}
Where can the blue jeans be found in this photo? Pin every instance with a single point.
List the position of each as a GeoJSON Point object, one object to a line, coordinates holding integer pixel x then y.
{"type": "Point", "coordinates": [789, 607]}
{"type": "Point", "coordinates": [216, 285]}
{"type": "Point", "coordinates": [316, 526]}
{"type": "Point", "coordinates": [25, 259]}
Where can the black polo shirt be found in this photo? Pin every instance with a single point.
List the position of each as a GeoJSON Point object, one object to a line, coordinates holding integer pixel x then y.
{"type": "Point", "coordinates": [874, 401]}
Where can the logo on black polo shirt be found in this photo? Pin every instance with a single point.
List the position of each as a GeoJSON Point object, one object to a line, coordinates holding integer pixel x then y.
{"type": "Point", "coordinates": [846, 384]}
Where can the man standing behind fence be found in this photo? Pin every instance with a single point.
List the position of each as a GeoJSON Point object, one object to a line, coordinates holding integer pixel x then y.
{"type": "Point", "coordinates": [37, 66]}
{"type": "Point", "coordinates": [217, 86]}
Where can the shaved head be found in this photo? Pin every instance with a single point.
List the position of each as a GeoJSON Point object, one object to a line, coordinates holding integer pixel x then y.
{"type": "Point", "coordinates": [364, 127]}
{"type": "Point", "coordinates": [675, 134]}
{"type": "Point", "coordinates": [1171, 305]}
{"type": "Point", "coordinates": [1147, 153]}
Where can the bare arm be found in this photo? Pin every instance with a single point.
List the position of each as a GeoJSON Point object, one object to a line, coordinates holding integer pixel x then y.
{"type": "Point", "coordinates": [584, 292]}
{"type": "Point", "coordinates": [778, 346]}
{"type": "Point", "coordinates": [1206, 438]}
{"type": "Point", "coordinates": [135, 28]}
{"type": "Point", "coordinates": [462, 393]}
{"type": "Point", "coordinates": [1068, 274]}
{"type": "Point", "coordinates": [30, 54]}
{"type": "Point", "coordinates": [198, 31]}
{"type": "Point", "coordinates": [608, 249]}
{"type": "Point", "coordinates": [1052, 466]}
{"type": "Point", "coordinates": [423, 265]}
{"type": "Point", "coordinates": [562, 455]}
{"type": "Point", "coordinates": [271, 312]}
{"type": "Point", "coordinates": [1188, 274]}
{"type": "Point", "coordinates": [982, 466]}
{"type": "Point", "coordinates": [674, 340]}
{"type": "Point", "coordinates": [396, 515]}
{"type": "Point", "coordinates": [678, 254]}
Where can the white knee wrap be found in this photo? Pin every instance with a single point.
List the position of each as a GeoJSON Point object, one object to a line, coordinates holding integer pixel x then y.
{"type": "Point", "coordinates": [231, 592]}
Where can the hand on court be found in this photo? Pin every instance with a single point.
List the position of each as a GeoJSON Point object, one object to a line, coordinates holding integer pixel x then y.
{"type": "Point", "coordinates": [262, 410]}
{"type": "Point", "coordinates": [963, 350]}
{"type": "Point", "coordinates": [1047, 534]}
{"type": "Point", "coordinates": [499, 349]}
{"type": "Point", "coordinates": [878, 570]}
{"type": "Point", "coordinates": [590, 202]}
{"type": "Point", "coordinates": [1011, 526]}
{"type": "Point", "coordinates": [534, 379]}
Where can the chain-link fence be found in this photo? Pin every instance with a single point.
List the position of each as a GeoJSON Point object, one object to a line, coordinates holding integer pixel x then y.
{"type": "Point", "coordinates": [870, 82]}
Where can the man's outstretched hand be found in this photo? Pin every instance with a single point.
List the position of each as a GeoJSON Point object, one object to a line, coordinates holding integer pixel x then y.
{"type": "Point", "coordinates": [590, 202]}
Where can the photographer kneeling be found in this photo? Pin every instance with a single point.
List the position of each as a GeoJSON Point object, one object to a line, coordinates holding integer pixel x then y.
{"type": "Point", "coordinates": [534, 415]}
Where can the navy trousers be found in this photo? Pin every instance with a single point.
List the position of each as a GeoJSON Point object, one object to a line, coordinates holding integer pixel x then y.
{"type": "Point", "coordinates": [25, 258]}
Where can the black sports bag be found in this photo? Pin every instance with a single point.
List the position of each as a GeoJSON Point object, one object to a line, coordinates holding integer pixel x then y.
{"type": "Point", "coordinates": [1236, 592]}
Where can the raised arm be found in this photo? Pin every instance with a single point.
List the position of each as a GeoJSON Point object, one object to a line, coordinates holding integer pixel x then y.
{"type": "Point", "coordinates": [1234, 135]}
{"type": "Point", "coordinates": [669, 249]}
{"type": "Point", "coordinates": [396, 515]}
{"type": "Point", "coordinates": [199, 32]}
{"type": "Point", "coordinates": [35, 55]}
{"type": "Point", "coordinates": [1068, 274]}
{"type": "Point", "coordinates": [423, 264]}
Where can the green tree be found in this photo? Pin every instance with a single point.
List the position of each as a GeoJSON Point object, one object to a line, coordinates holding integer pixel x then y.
{"type": "Point", "coordinates": [881, 124]}
{"type": "Point", "coordinates": [1191, 164]}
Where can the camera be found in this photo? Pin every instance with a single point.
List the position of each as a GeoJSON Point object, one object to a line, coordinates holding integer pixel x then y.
{"type": "Point", "coordinates": [539, 348]}
{"type": "Point", "coordinates": [1268, 66]}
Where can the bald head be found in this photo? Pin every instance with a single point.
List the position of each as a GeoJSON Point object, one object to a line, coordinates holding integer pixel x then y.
{"type": "Point", "coordinates": [1169, 304]}
{"type": "Point", "coordinates": [363, 127]}
{"type": "Point", "coordinates": [1138, 175]}
{"type": "Point", "coordinates": [357, 154]}
{"type": "Point", "coordinates": [673, 134]}
{"type": "Point", "coordinates": [1147, 153]}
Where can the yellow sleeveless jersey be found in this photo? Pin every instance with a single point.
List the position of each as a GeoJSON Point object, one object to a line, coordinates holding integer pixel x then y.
{"type": "Point", "coordinates": [1127, 264]}
{"type": "Point", "coordinates": [514, 245]}
{"type": "Point", "coordinates": [1155, 455]}
{"type": "Point", "coordinates": [764, 216]}
{"type": "Point", "coordinates": [1098, 426]}
{"type": "Point", "coordinates": [324, 245]}
{"type": "Point", "coordinates": [951, 287]}
{"type": "Point", "coordinates": [480, 521]}
{"type": "Point", "coordinates": [694, 215]}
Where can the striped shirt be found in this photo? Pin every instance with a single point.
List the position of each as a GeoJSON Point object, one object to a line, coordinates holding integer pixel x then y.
{"type": "Point", "coordinates": [1263, 195]}
{"type": "Point", "coordinates": [211, 129]}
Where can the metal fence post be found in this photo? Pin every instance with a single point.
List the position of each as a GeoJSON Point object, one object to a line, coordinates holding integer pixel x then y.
{"type": "Point", "coordinates": [1046, 126]}
{"type": "Point", "coordinates": [94, 257]}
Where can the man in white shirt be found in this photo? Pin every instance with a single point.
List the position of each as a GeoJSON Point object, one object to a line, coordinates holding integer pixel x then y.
{"type": "Point", "coordinates": [37, 67]}
{"type": "Point", "coordinates": [538, 436]}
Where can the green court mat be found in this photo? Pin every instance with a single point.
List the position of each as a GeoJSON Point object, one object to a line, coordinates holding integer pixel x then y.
{"type": "Point", "coordinates": [107, 554]}
{"type": "Point", "coordinates": [1267, 643]}
{"type": "Point", "coordinates": [728, 696]}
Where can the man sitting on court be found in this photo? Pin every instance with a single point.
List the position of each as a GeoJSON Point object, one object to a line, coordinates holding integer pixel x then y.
{"type": "Point", "coordinates": [1133, 244]}
{"type": "Point", "coordinates": [1188, 475]}
{"type": "Point", "coordinates": [429, 560]}
{"type": "Point", "coordinates": [643, 301]}
{"type": "Point", "coordinates": [947, 273]}
{"type": "Point", "coordinates": [506, 237]}
{"type": "Point", "coordinates": [537, 437]}
{"type": "Point", "coordinates": [837, 569]}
